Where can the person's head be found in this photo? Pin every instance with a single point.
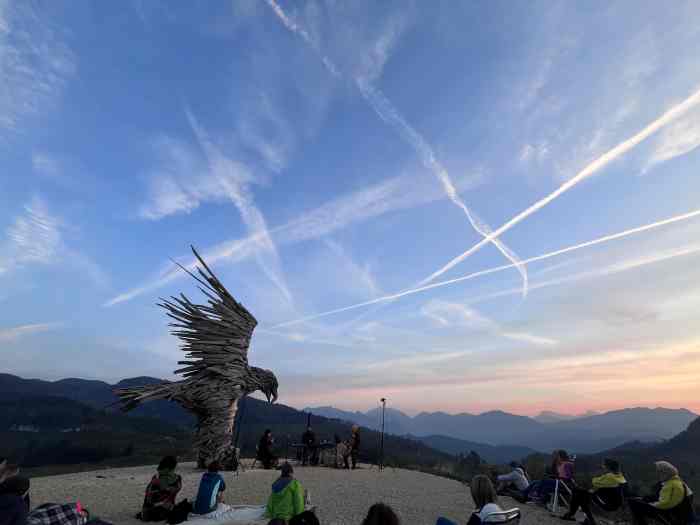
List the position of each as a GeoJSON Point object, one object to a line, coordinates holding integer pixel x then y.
{"type": "Point", "coordinates": [562, 455]}
{"type": "Point", "coordinates": [355, 429]}
{"type": "Point", "coordinates": [168, 463]}
{"type": "Point", "coordinates": [214, 466]}
{"type": "Point", "coordinates": [482, 491]}
{"type": "Point", "coordinates": [381, 514]}
{"type": "Point", "coordinates": [514, 465]}
{"type": "Point", "coordinates": [268, 432]}
{"type": "Point", "coordinates": [10, 470]}
{"type": "Point", "coordinates": [337, 439]}
{"type": "Point", "coordinates": [286, 470]}
{"type": "Point", "coordinates": [612, 465]}
{"type": "Point", "coordinates": [665, 470]}
{"type": "Point", "coordinates": [17, 485]}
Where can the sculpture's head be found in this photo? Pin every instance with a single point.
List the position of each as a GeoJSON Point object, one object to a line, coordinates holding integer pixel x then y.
{"type": "Point", "coordinates": [265, 381]}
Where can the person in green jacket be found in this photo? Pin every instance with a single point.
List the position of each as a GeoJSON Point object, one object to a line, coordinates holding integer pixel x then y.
{"type": "Point", "coordinates": [287, 497]}
{"type": "Point", "coordinates": [670, 500]}
{"type": "Point", "coordinates": [607, 489]}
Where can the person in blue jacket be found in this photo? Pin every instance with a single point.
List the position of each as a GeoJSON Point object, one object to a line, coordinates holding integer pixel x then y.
{"type": "Point", "coordinates": [211, 490]}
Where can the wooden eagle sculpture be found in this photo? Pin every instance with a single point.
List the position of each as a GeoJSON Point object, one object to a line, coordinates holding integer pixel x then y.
{"type": "Point", "coordinates": [216, 337]}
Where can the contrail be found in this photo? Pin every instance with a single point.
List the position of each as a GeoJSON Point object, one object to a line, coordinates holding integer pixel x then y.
{"type": "Point", "coordinates": [586, 172]}
{"type": "Point", "coordinates": [600, 240]}
{"type": "Point", "coordinates": [389, 114]}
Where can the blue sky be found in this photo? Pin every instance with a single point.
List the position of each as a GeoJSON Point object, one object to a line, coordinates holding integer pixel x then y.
{"type": "Point", "coordinates": [321, 156]}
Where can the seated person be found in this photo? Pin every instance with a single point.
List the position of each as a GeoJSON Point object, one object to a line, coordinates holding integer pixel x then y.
{"type": "Point", "coordinates": [265, 454]}
{"type": "Point", "coordinates": [161, 491]}
{"type": "Point", "coordinates": [13, 509]}
{"type": "Point", "coordinates": [287, 497]}
{"type": "Point", "coordinates": [485, 501]}
{"type": "Point", "coordinates": [211, 490]}
{"type": "Point", "coordinates": [9, 471]}
{"type": "Point", "coordinates": [606, 489]}
{"type": "Point", "coordinates": [515, 481]}
{"type": "Point", "coordinates": [310, 452]}
{"type": "Point", "coordinates": [671, 501]}
{"type": "Point", "coordinates": [562, 470]}
{"type": "Point", "coordinates": [58, 514]}
{"type": "Point", "coordinates": [381, 514]}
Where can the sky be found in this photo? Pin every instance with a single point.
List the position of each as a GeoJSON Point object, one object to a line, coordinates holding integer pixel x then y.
{"type": "Point", "coordinates": [457, 206]}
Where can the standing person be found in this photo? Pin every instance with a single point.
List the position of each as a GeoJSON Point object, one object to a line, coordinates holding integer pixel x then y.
{"type": "Point", "coordinates": [161, 491]}
{"type": "Point", "coordinates": [671, 500]}
{"type": "Point", "coordinates": [606, 487]}
{"type": "Point", "coordinates": [211, 490]}
{"type": "Point", "coordinates": [13, 509]}
{"type": "Point", "coordinates": [381, 514]}
{"type": "Point", "coordinates": [354, 447]}
{"type": "Point", "coordinates": [287, 497]}
{"type": "Point", "coordinates": [265, 454]}
{"type": "Point", "coordinates": [310, 451]}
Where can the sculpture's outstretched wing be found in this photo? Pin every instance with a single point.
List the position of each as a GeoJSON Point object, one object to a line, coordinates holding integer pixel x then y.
{"type": "Point", "coordinates": [215, 336]}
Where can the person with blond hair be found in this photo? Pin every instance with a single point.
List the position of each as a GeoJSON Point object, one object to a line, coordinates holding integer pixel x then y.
{"type": "Point", "coordinates": [671, 500]}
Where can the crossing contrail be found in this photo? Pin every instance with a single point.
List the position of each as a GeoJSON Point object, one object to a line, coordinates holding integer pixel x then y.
{"type": "Point", "coordinates": [599, 240]}
{"type": "Point", "coordinates": [383, 107]}
{"type": "Point", "coordinates": [586, 172]}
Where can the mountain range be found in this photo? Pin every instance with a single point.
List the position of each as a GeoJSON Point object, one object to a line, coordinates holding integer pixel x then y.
{"type": "Point", "coordinates": [582, 434]}
{"type": "Point", "coordinates": [497, 436]}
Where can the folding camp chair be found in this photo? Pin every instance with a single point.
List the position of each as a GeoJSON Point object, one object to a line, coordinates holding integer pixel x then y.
{"type": "Point", "coordinates": [617, 516]}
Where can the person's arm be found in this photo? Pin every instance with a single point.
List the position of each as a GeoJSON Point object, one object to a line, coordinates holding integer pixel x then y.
{"type": "Point", "coordinates": [511, 476]}
{"type": "Point", "coordinates": [222, 487]}
{"type": "Point", "coordinates": [667, 498]}
{"type": "Point", "coordinates": [298, 499]}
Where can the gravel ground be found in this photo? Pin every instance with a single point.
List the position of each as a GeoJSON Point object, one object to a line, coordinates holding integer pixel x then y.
{"type": "Point", "coordinates": [342, 497]}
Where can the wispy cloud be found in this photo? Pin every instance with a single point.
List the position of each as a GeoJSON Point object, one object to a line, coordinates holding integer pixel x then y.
{"type": "Point", "coordinates": [36, 237]}
{"type": "Point", "coordinates": [35, 63]}
{"type": "Point", "coordinates": [449, 314]}
{"type": "Point", "coordinates": [474, 275]}
{"type": "Point", "coordinates": [390, 114]}
{"type": "Point", "coordinates": [16, 333]}
{"type": "Point", "coordinates": [676, 140]}
{"type": "Point", "coordinates": [394, 194]}
{"type": "Point", "coordinates": [353, 271]}
{"type": "Point", "coordinates": [595, 166]}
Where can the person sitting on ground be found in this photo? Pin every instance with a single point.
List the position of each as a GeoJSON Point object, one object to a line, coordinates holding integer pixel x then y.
{"type": "Point", "coordinates": [58, 514]}
{"type": "Point", "coordinates": [513, 483]}
{"type": "Point", "coordinates": [381, 514]}
{"type": "Point", "coordinates": [211, 490]}
{"type": "Point", "coordinates": [7, 472]}
{"type": "Point", "coordinates": [265, 454]}
{"type": "Point", "coordinates": [161, 491]}
{"type": "Point", "coordinates": [287, 497]}
{"type": "Point", "coordinates": [672, 500]}
{"type": "Point", "coordinates": [13, 509]}
{"type": "Point", "coordinates": [310, 451]}
{"type": "Point", "coordinates": [606, 489]}
{"type": "Point", "coordinates": [354, 447]}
